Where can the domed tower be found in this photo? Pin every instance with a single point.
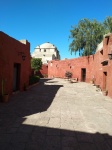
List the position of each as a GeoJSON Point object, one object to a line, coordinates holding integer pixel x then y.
{"type": "Point", "coordinates": [46, 52]}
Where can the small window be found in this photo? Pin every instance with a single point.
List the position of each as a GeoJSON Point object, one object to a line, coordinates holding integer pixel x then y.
{"type": "Point", "coordinates": [101, 51]}
{"type": "Point", "coordinates": [44, 50]}
{"type": "Point", "coordinates": [104, 63]}
{"type": "Point", "coordinates": [107, 40]}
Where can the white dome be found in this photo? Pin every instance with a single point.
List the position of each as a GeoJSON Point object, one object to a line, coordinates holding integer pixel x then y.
{"type": "Point", "coordinates": [46, 45]}
{"type": "Point", "coordinates": [46, 52]}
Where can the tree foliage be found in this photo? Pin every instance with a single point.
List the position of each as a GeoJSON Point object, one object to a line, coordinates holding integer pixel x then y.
{"type": "Point", "coordinates": [88, 34]}
{"type": "Point", "coordinates": [36, 64]}
{"type": "Point", "coordinates": [108, 24]}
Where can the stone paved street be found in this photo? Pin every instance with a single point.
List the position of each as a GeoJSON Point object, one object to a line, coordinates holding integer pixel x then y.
{"type": "Point", "coordinates": [57, 115]}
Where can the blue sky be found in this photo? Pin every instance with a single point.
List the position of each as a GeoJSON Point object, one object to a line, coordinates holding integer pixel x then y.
{"type": "Point", "coordinates": [41, 21]}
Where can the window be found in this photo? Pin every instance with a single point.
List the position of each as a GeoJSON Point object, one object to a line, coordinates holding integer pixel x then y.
{"type": "Point", "coordinates": [104, 63]}
{"type": "Point", "coordinates": [44, 50]}
{"type": "Point", "coordinates": [101, 51]}
{"type": "Point", "coordinates": [107, 40]}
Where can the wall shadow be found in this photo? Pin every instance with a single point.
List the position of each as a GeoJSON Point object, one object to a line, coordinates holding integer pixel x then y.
{"type": "Point", "coordinates": [39, 74]}
{"type": "Point", "coordinates": [20, 131]}
{"type": "Point", "coordinates": [89, 58]}
{"type": "Point", "coordinates": [35, 100]}
{"type": "Point", "coordinates": [32, 137]}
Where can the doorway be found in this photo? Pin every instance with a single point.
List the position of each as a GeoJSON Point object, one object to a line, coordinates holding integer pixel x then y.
{"type": "Point", "coordinates": [83, 74]}
{"type": "Point", "coordinates": [16, 77]}
{"type": "Point", "coordinates": [105, 80]}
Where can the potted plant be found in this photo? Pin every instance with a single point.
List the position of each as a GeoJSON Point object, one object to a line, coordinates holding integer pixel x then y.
{"type": "Point", "coordinates": [68, 74]}
{"type": "Point", "coordinates": [92, 81]}
{"type": "Point", "coordinates": [5, 96]}
{"type": "Point", "coordinates": [25, 87]}
{"type": "Point", "coordinates": [105, 92]}
{"type": "Point", "coordinates": [3, 75]}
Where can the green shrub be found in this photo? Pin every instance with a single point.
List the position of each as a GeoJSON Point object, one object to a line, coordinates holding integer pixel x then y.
{"type": "Point", "coordinates": [34, 79]}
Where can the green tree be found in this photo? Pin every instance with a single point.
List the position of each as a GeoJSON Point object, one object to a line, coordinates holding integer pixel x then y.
{"type": "Point", "coordinates": [36, 64]}
{"type": "Point", "coordinates": [86, 36]}
{"type": "Point", "coordinates": [108, 24]}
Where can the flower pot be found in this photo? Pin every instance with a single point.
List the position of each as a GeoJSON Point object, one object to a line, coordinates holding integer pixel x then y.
{"type": "Point", "coordinates": [0, 98]}
{"type": "Point", "coordinates": [5, 98]}
{"type": "Point", "coordinates": [92, 82]}
{"type": "Point", "coordinates": [105, 93]}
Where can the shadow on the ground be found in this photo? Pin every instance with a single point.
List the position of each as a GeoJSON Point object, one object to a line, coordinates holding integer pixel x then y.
{"type": "Point", "coordinates": [35, 100]}
{"type": "Point", "coordinates": [19, 133]}
{"type": "Point", "coordinates": [31, 137]}
{"type": "Point", "coordinates": [51, 81]}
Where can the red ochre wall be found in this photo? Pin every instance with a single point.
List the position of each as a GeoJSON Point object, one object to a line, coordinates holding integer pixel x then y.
{"type": "Point", "coordinates": [58, 68]}
{"type": "Point", "coordinates": [93, 65]}
{"type": "Point", "coordinates": [44, 70]}
{"type": "Point", "coordinates": [9, 55]}
{"type": "Point", "coordinates": [10, 50]}
{"type": "Point", "coordinates": [108, 68]}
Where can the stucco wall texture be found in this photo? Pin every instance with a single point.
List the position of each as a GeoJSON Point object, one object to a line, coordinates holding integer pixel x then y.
{"type": "Point", "coordinates": [15, 71]}
{"type": "Point", "coordinates": [97, 66]}
{"type": "Point", "coordinates": [11, 52]}
{"type": "Point", "coordinates": [44, 70]}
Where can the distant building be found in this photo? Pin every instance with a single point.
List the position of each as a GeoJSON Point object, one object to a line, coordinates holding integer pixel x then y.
{"type": "Point", "coordinates": [46, 52]}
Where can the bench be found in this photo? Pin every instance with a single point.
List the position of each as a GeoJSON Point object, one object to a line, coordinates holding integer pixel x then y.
{"type": "Point", "coordinates": [74, 80]}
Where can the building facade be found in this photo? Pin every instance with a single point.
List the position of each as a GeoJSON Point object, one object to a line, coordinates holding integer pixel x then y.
{"type": "Point", "coordinates": [14, 63]}
{"type": "Point", "coordinates": [97, 67]}
{"type": "Point", "coordinates": [46, 52]}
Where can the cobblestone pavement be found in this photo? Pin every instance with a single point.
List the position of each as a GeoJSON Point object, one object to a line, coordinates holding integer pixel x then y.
{"type": "Point", "coordinates": [57, 115]}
